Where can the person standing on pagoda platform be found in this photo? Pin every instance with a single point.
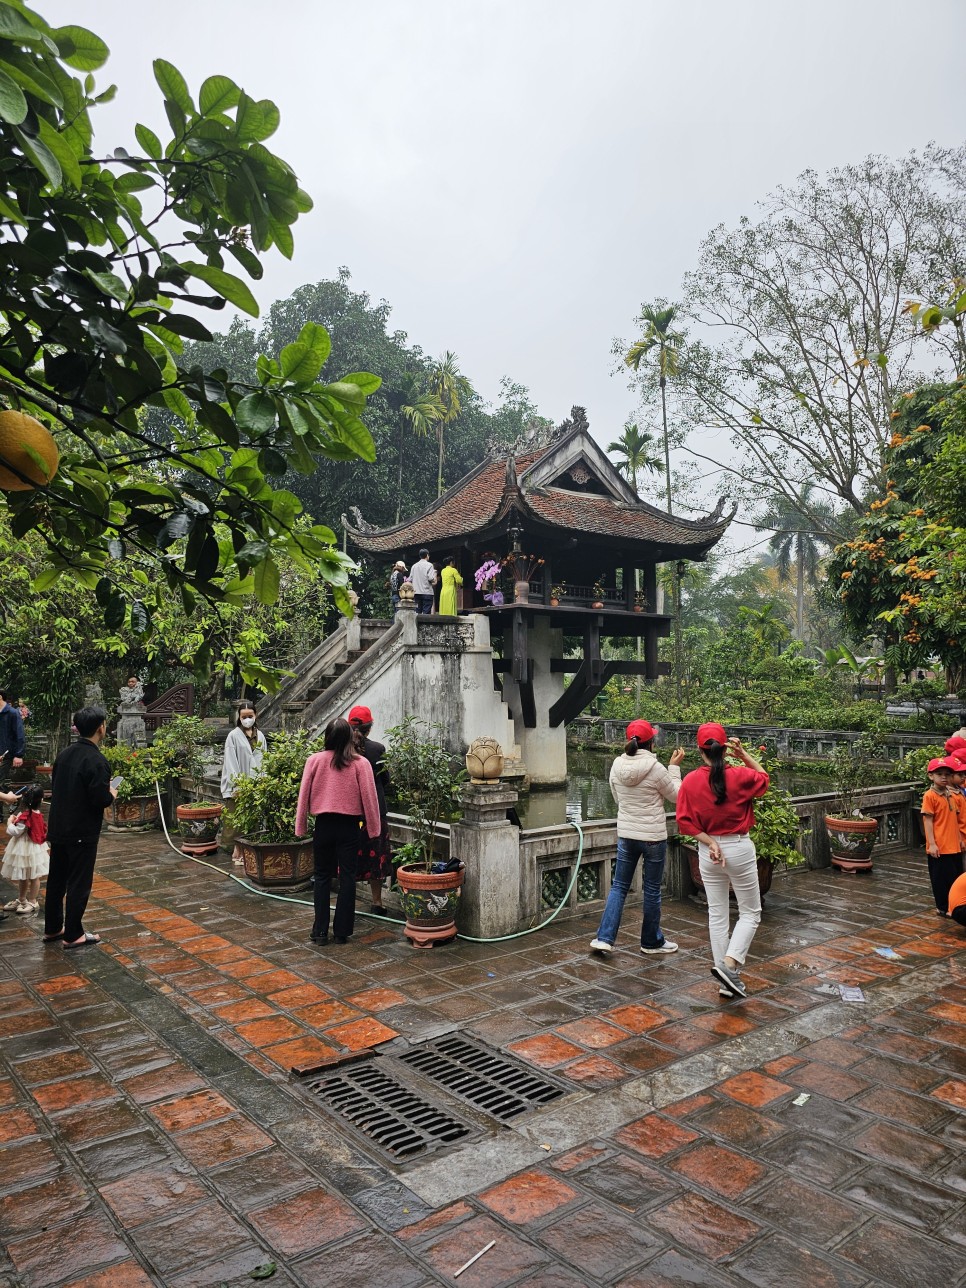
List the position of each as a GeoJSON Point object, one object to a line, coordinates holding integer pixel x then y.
{"type": "Point", "coordinates": [423, 577]}
{"type": "Point", "coordinates": [447, 596]}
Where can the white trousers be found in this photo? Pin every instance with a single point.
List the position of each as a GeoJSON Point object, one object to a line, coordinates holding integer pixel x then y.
{"type": "Point", "coordinates": [739, 872]}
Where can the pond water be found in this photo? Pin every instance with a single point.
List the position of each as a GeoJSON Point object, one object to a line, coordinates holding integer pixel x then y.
{"type": "Point", "coordinates": [588, 796]}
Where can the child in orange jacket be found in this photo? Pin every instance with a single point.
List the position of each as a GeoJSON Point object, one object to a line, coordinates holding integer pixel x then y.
{"type": "Point", "coordinates": [942, 819]}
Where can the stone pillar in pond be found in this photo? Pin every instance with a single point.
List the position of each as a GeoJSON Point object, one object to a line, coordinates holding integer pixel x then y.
{"type": "Point", "coordinates": [489, 845]}
{"type": "Point", "coordinates": [542, 749]}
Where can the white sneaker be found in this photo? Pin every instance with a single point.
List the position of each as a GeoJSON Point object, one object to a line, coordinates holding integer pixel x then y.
{"type": "Point", "coordinates": [601, 946]}
{"type": "Point", "coordinates": [12, 905]}
{"type": "Point", "coordinates": [23, 908]}
{"type": "Point", "coordinates": [667, 947]}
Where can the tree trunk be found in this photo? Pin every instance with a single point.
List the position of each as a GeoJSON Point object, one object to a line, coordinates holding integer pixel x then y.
{"type": "Point", "coordinates": [676, 588]}
{"type": "Point", "coordinates": [399, 477]}
{"type": "Point", "coordinates": [439, 476]}
{"type": "Point", "coordinates": [800, 598]}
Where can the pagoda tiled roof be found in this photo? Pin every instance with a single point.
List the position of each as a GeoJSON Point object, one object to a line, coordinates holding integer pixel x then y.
{"type": "Point", "coordinates": [491, 491]}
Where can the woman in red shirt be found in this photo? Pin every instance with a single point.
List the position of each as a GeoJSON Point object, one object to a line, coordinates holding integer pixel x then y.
{"type": "Point", "coordinates": [339, 789]}
{"type": "Point", "coordinates": [714, 805]}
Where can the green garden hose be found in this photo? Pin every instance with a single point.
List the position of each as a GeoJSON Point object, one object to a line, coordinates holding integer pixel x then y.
{"type": "Point", "coordinates": [374, 916]}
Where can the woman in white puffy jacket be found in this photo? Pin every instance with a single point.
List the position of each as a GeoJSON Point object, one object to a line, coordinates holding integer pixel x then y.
{"type": "Point", "coordinates": [640, 785]}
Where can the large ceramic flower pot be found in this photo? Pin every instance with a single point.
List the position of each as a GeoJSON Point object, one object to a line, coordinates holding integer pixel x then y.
{"type": "Point", "coordinates": [139, 814]}
{"type": "Point", "coordinates": [277, 863]}
{"type": "Point", "coordinates": [198, 825]}
{"type": "Point", "coordinates": [429, 900]}
{"type": "Point", "coordinates": [521, 592]}
{"type": "Point", "coordinates": [765, 870]}
{"type": "Point", "coordinates": [852, 841]}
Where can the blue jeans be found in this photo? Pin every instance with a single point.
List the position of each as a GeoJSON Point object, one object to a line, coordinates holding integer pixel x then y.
{"type": "Point", "coordinates": [628, 853]}
{"type": "Point", "coordinates": [424, 603]}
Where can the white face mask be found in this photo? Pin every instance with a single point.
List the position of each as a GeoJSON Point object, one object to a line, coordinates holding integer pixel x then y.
{"type": "Point", "coordinates": [247, 722]}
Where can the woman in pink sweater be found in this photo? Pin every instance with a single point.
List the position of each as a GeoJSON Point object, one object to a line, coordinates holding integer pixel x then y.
{"type": "Point", "coordinates": [339, 789]}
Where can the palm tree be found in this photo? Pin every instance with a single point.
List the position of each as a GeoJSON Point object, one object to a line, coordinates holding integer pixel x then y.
{"type": "Point", "coordinates": [801, 527]}
{"type": "Point", "coordinates": [659, 339]}
{"type": "Point", "coordinates": [451, 388]}
{"type": "Point", "coordinates": [636, 452]}
{"type": "Point", "coordinates": [421, 412]}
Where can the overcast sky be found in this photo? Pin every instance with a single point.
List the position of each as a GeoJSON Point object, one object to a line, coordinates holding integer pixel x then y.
{"type": "Point", "coordinates": [516, 176]}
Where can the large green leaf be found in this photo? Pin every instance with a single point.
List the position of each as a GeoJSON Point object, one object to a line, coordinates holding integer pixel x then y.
{"type": "Point", "coordinates": [15, 25]}
{"type": "Point", "coordinates": [302, 360]}
{"type": "Point", "coordinates": [365, 381]}
{"type": "Point", "coordinates": [42, 157]}
{"type": "Point", "coordinates": [29, 77]}
{"type": "Point", "coordinates": [267, 581]}
{"type": "Point", "coordinates": [80, 48]}
{"type": "Point", "coordinates": [61, 149]}
{"type": "Point", "coordinates": [13, 104]}
{"type": "Point", "coordinates": [255, 121]}
{"type": "Point", "coordinates": [172, 84]}
{"type": "Point", "coordinates": [218, 94]}
{"type": "Point", "coordinates": [256, 413]}
{"type": "Point", "coordinates": [149, 141]}
{"type": "Point", "coordinates": [229, 287]}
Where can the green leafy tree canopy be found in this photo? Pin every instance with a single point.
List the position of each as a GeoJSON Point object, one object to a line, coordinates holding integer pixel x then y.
{"type": "Point", "coordinates": [105, 263]}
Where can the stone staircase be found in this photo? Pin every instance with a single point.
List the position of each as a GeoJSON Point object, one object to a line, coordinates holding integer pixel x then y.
{"type": "Point", "coordinates": [324, 667]}
{"type": "Point", "coordinates": [439, 669]}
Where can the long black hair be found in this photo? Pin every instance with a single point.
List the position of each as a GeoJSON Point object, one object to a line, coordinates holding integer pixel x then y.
{"type": "Point", "coordinates": [715, 752]}
{"type": "Point", "coordinates": [32, 796]}
{"type": "Point", "coordinates": [634, 745]}
{"type": "Point", "coordinates": [338, 740]}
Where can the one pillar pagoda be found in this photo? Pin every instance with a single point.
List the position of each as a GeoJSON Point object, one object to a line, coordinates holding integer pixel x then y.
{"type": "Point", "coordinates": [589, 548]}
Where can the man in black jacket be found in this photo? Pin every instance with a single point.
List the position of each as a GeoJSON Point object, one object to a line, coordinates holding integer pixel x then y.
{"type": "Point", "coordinates": [11, 741]}
{"type": "Point", "coordinates": [80, 792]}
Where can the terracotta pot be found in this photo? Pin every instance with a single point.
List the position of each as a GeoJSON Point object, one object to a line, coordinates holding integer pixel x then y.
{"type": "Point", "coordinates": [852, 841]}
{"type": "Point", "coordinates": [765, 871]}
{"type": "Point", "coordinates": [429, 900]}
{"type": "Point", "coordinates": [638, 608]}
{"type": "Point", "coordinates": [554, 603]}
{"type": "Point", "coordinates": [277, 863]}
{"type": "Point", "coordinates": [139, 814]}
{"type": "Point", "coordinates": [598, 603]}
{"type": "Point", "coordinates": [198, 825]}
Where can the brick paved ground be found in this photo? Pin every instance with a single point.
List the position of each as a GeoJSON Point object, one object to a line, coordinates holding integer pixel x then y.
{"type": "Point", "coordinates": [149, 1134]}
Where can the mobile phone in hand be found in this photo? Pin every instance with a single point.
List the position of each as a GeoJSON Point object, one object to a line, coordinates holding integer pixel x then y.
{"type": "Point", "coordinates": [116, 782]}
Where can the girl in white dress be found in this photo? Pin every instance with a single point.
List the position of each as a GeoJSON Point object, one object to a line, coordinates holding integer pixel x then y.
{"type": "Point", "coordinates": [244, 748]}
{"type": "Point", "coordinates": [26, 859]}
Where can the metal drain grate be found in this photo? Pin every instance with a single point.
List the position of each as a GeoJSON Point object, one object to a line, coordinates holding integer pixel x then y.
{"type": "Point", "coordinates": [399, 1122]}
{"type": "Point", "coordinates": [489, 1082]}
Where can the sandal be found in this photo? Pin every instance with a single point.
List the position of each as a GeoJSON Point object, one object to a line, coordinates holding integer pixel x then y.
{"type": "Point", "coordinates": [86, 942]}
{"type": "Point", "coordinates": [52, 939]}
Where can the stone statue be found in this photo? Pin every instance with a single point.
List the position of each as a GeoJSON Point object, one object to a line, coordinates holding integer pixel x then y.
{"type": "Point", "coordinates": [93, 695]}
{"type": "Point", "coordinates": [131, 729]}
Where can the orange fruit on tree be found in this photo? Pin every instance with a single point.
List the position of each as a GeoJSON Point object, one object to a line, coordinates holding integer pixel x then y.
{"type": "Point", "coordinates": [29, 448]}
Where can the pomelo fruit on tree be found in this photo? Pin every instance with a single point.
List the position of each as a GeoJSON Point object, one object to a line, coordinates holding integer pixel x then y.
{"type": "Point", "coordinates": [29, 448]}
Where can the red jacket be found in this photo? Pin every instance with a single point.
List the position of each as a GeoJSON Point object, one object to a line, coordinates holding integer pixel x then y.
{"type": "Point", "coordinates": [36, 824]}
{"type": "Point", "coordinates": [327, 790]}
{"type": "Point", "coordinates": [698, 811]}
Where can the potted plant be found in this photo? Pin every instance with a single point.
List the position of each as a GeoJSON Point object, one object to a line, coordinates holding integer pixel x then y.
{"type": "Point", "coordinates": [181, 744]}
{"type": "Point", "coordinates": [426, 785]}
{"type": "Point", "coordinates": [640, 600]}
{"type": "Point", "coordinates": [135, 808]}
{"type": "Point", "coordinates": [776, 829]}
{"type": "Point", "coordinates": [852, 834]}
{"type": "Point", "coordinates": [557, 593]}
{"type": "Point", "coordinates": [264, 813]}
{"type": "Point", "coordinates": [521, 568]}
{"type": "Point", "coordinates": [486, 578]}
{"type": "Point", "coordinates": [597, 594]}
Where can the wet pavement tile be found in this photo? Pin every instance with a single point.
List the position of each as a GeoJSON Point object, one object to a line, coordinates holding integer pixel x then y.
{"type": "Point", "coordinates": [527, 1197]}
{"type": "Point", "coordinates": [92, 1242]}
{"type": "Point", "coordinates": [703, 1225]}
{"type": "Point", "coordinates": [776, 1260]}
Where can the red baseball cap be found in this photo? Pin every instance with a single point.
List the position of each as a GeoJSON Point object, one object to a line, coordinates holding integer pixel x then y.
{"type": "Point", "coordinates": [709, 733]}
{"type": "Point", "coordinates": [360, 715]}
{"type": "Point", "coordinates": [937, 763]}
{"type": "Point", "coordinates": [955, 745]}
{"type": "Point", "coordinates": [956, 764]}
{"type": "Point", "coordinates": [641, 730]}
